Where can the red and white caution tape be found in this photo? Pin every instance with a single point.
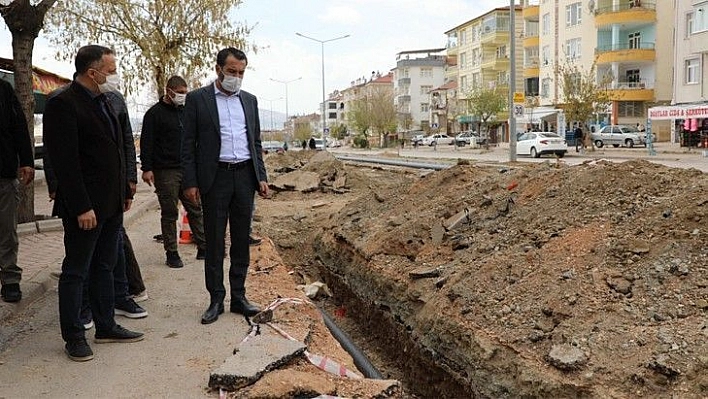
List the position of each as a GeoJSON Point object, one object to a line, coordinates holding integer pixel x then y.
{"type": "Point", "coordinates": [323, 362]}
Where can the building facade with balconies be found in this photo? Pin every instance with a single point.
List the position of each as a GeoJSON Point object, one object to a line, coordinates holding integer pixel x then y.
{"type": "Point", "coordinates": [416, 73]}
{"type": "Point", "coordinates": [626, 40]}
{"type": "Point", "coordinates": [481, 46]}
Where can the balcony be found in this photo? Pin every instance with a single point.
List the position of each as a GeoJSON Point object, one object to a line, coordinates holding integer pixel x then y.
{"type": "Point", "coordinates": [626, 12]}
{"type": "Point", "coordinates": [531, 41]}
{"type": "Point", "coordinates": [531, 12]}
{"type": "Point", "coordinates": [404, 98]}
{"type": "Point", "coordinates": [495, 36]}
{"type": "Point", "coordinates": [404, 81]}
{"type": "Point", "coordinates": [497, 63]}
{"type": "Point", "coordinates": [625, 52]}
{"type": "Point", "coordinates": [631, 91]}
{"type": "Point", "coordinates": [531, 68]}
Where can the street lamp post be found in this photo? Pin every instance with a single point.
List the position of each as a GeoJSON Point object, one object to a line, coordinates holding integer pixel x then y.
{"type": "Point", "coordinates": [286, 82]}
{"type": "Point", "coordinates": [324, 106]}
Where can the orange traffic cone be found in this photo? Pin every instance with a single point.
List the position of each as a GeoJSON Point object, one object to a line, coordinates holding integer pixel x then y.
{"type": "Point", "coordinates": [185, 232]}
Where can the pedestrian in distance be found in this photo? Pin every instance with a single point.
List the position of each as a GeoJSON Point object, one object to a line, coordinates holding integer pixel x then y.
{"type": "Point", "coordinates": [579, 137]}
{"type": "Point", "coordinates": [304, 144]}
{"type": "Point", "coordinates": [160, 162]}
{"type": "Point", "coordinates": [312, 143]}
{"type": "Point", "coordinates": [82, 134]}
{"type": "Point", "coordinates": [16, 167]}
{"type": "Point", "coordinates": [223, 165]}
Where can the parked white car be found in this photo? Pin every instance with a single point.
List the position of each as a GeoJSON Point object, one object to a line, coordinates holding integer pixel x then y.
{"type": "Point", "coordinates": [620, 135]}
{"type": "Point", "coordinates": [536, 144]}
{"type": "Point", "coordinates": [438, 139]}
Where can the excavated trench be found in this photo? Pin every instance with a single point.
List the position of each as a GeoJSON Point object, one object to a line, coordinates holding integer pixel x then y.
{"type": "Point", "coordinates": [380, 328]}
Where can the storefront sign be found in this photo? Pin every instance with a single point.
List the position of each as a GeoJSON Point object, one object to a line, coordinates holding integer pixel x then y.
{"type": "Point", "coordinates": [678, 112]}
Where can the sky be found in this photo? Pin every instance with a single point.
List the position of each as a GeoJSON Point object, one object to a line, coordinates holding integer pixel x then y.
{"type": "Point", "coordinates": [378, 30]}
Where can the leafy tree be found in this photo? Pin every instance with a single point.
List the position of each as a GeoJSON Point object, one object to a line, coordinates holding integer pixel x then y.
{"type": "Point", "coordinates": [339, 131]}
{"type": "Point", "coordinates": [25, 20]}
{"type": "Point", "coordinates": [359, 116]}
{"type": "Point", "coordinates": [582, 94]}
{"type": "Point", "coordinates": [303, 131]}
{"type": "Point", "coordinates": [153, 39]}
{"type": "Point", "coordinates": [485, 103]}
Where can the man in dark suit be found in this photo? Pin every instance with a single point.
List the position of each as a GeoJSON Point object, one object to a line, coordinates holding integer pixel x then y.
{"type": "Point", "coordinates": [83, 136]}
{"type": "Point", "coordinates": [222, 163]}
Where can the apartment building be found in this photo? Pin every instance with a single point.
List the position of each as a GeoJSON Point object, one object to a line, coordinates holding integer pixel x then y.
{"type": "Point", "coordinates": [377, 86]}
{"type": "Point", "coordinates": [482, 50]}
{"type": "Point", "coordinates": [416, 73]}
{"type": "Point", "coordinates": [630, 46]}
{"type": "Point", "coordinates": [688, 115]}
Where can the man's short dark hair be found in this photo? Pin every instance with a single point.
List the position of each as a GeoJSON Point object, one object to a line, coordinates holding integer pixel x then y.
{"type": "Point", "coordinates": [225, 53]}
{"type": "Point", "coordinates": [176, 81]}
{"type": "Point", "coordinates": [88, 56]}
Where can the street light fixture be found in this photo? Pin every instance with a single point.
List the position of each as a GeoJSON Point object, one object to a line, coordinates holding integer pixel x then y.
{"type": "Point", "coordinates": [286, 82]}
{"type": "Point", "coordinates": [324, 106]}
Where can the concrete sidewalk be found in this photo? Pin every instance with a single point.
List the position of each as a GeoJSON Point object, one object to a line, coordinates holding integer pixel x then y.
{"type": "Point", "coordinates": [42, 244]}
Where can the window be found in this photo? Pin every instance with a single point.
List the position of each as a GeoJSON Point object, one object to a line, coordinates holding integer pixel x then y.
{"type": "Point", "coordinates": [632, 76]}
{"type": "Point", "coordinates": [501, 52]}
{"type": "Point", "coordinates": [425, 89]}
{"type": "Point", "coordinates": [572, 49]}
{"type": "Point", "coordinates": [476, 80]}
{"type": "Point", "coordinates": [332, 105]}
{"type": "Point", "coordinates": [700, 17]}
{"type": "Point", "coordinates": [463, 36]}
{"type": "Point", "coordinates": [332, 115]}
{"type": "Point", "coordinates": [546, 55]}
{"type": "Point", "coordinates": [546, 87]}
{"type": "Point", "coordinates": [405, 73]}
{"type": "Point", "coordinates": [475, 57]}
{"type": "Point", "coordinates": [635, 40]}
{"type": "Point", "coordinates": [690, 24]}
{"type": "Point", "coordinates": [631, 109]}
{"type": "Point", "coordinates": [426, 72]}
{"type": "Point", "coordinates": [463, 60]}
{"type": "Point", "coordinates": [463, 83]}
{"type": "Point", "coordinates": [424, 107]}
{"type": "Point", "coordinates": [503, 78]}
{"type": "Point", "coordinates": [546, 24]}
{"type": "Point", "coordinates": [531, 57]}
{"type": "Point", "coordinates": [573, 13]}
{"type": "Point", "coordinates": [531, 87]}
{"type": "Point", "coordinates": [474, 33]}
{"type": "Point", "coordinates": [692, 71]}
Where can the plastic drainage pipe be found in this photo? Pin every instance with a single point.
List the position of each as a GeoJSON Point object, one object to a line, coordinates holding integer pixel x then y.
{"type": "Point", "coordinates": [360, 360]}
{"type": "Point", "coordinates": [410, 164]}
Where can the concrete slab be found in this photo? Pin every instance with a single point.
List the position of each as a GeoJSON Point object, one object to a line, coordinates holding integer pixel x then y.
{"type": "Point", "coordinates": [298, 181]}
{"type": "Point", "coordinates": [47, 225]}
{"type": "Point", "coordinates": [254, 358]}
{"type": "Point", "coordinates": [26, 228]}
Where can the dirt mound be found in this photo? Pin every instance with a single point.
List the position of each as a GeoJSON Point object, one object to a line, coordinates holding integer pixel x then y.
{"type": "Point", "coordinates": [540, 280]}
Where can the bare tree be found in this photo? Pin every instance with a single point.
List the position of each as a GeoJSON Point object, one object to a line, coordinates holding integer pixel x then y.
{"type": "Point", "coordinates": [154, 39]}
{"type": "Point", "coordinates": [25, 20]}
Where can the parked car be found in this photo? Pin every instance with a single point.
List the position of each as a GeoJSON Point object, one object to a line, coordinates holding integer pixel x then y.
{"type": "Point", "coordinates": [467, 137]}
{"type": "Point", "coordinates": [619, 135]}
{"type": "Point", "coordinates": [417, 139]}
{"type": "Point", "coordinates": [319, 144]}
{"type": "Point", "coordinates": [438, 139]}
{"type": "Point", "coordinates": [536, 144]}
{"type": "Point", "coordinates": [273, 146]}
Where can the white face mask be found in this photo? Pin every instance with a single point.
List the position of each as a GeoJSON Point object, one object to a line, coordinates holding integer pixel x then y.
{"type": "Point", "coordinates": [179, 99]}
{"type": "Point", "coordinates": [231, 83]}
{"type": "Point", "coordinates": [112, 83]}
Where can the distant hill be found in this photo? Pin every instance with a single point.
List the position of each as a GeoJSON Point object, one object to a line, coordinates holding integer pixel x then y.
{"type": "Point", "coordinates": [278, 119]}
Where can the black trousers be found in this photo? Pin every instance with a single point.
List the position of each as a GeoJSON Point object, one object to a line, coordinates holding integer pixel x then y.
{"type": "Point", "coordinates": [91, 255]}
{"type": "Point", "coordinates": [229, 200]}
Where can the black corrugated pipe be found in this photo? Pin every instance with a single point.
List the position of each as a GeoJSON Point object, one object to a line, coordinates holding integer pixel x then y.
{"type": "Point", "coordinates": [360, 359]}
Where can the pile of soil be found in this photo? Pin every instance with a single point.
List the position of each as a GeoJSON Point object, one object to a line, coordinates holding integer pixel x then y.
{"type": "Point", "coordinates": [538, 280]}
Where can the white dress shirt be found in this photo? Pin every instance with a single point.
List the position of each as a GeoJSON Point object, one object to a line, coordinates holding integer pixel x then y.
{"type": "Point", "coordinates": [232, 127]}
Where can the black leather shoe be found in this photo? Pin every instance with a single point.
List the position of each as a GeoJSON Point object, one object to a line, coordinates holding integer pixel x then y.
{"type": "Point", "coordinates": [201, 253]}
{"type": "Point", "coordinates": [11, 292]}
{"type": "Point", "coordinates": [212, 313]}
{"type": "Point", "coordinates": [241, 305]}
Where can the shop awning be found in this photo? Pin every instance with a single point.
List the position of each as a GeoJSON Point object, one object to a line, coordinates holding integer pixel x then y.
{"type": "Point", "coordinates": [534, 115]}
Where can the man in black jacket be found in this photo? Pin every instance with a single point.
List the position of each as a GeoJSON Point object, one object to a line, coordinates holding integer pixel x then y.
{"type": "Point", "coordinates": [160, 162]}
{"type": "Point", "coordinates": [82, 134]}
{"type": "Point", "coordinates": [15, 150]}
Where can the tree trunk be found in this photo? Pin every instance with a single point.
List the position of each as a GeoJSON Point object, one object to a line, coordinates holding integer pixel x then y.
{"type": "Point", "coordinates": [22, 46]}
